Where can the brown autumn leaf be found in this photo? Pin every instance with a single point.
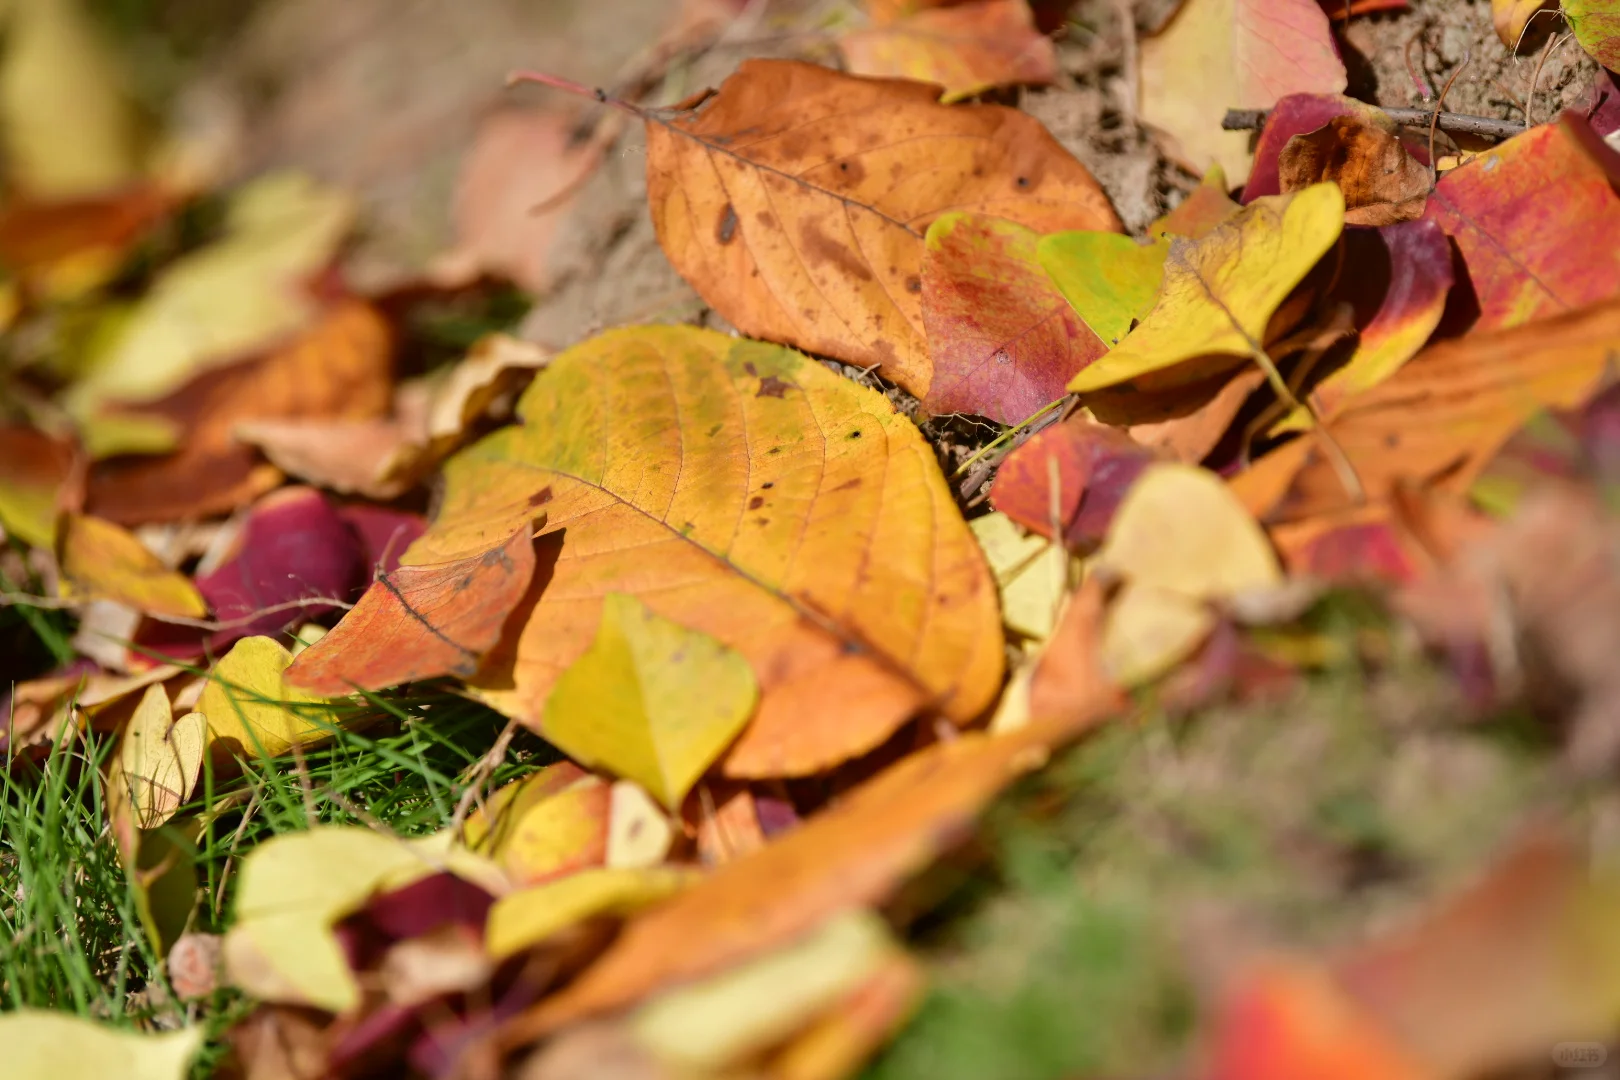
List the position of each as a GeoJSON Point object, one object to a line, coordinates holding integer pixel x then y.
{"type": "Point", "coordinates": [1439, 419]}
{"type": "Point", "coordinates": [339, 368]}
{"type": "Point", "coordinates": [855, 854]}
{"type": "Point", "coordinates": [38, 481]}
{"type": "Point", "coordinates": [966, 48]}
{"type": "Point", "coordinates": [440, 618]}
{"type": "Point", "coordinates": [795, 200]}
{"type": "Point", "coordinates": [1382, 183]}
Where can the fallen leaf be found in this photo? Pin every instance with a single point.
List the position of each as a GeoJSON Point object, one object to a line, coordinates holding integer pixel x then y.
{"type": "Point", "coordinates": [62, 250]}
{"type": "Point", "coordinates": [728, 825]}
{"type": "Point", "coordinates": [1205, 207]}
{"type": "Point", "coordinates": [384, 458]}
{"type": "Point", "coordinates": [1197, 425]}
{"type": "Point", "coordinates": [849, 1033]}
{"type": "Point", "coordinates": [71, 125]}
{"type": "Point", "coordinates": [36, 484]}
{"type": "Point", "coordinates": [37, 710]}
{"type": "Point", "coordinates": [726, 1019]}
{"type": "Point", "coordinates": [650, 700]}
{"type": "Point", "coordinates": [1512, 16]}
{"type": "Point", "coordinates": [251, 711]}
{"type": "Point", "coordinates": [226, 300]}
{"type": "Point", "coordinates": [1394, 323]}
{"type": "Point", "coordinates": [849, 856]}
{"type": "Point", "coordinates": [1437, 985]}
{"type": "Point", "coordinates": [524, 919]}
{"type": "Point", "coordinates": [493, 824]}
{"type": "Point", "coordinates": [1031, 571]}
{"type": "Point", "coordinates": [795, 201]}
{"type": "Point", "coordinates": [1596, 24]}
{"type": "Point", "coordinates": [103, 562]}
{"type": "Point", "coordinates": [1179, 539]}
{"type": "Point", "coordinates": [1068, 682]}
{"type": "Point", "coordinates": [1220, 293]}
{"type": "Point", "coordinates": [1381, 182]}
{"type": "Point", "coordinates": [293, 888]}
{"type": "Point", "coordinates": [158, 759]}
{"type": "Point", "coordinates": [1301, 114]}
{"type": "Point", "coordinates": [543, 834]}
{"type": "Point", "coordinates": [756, 497]}
{"type": "Point", "coordinates": [293, 559]}
{"type": "Point", "coordinates": [967, 48]}
{"type": "Point", "coordinates": [1232, 54]}
{"type": "Point", "coordinates": [1286, 1019]}
{"type": "Point", "coordinates": [1091, 466]}
{"type": "Point", "coordinates": [1110, 280]}
{"type": "Point", "coordinates": [45, 1045]}
{"type": "Point", "coordinates": [1441, 417]}
{"type": "Point", "coordinates": [1002, 340]}
{"type": "Point", "coordinates": [340, 368]}
{"type": "Point", "coordinates": [520, 159]}
{"type": "Point", "coordinates": [419, 622]}
{"type": "Point", "coordinates": [1536, 221]}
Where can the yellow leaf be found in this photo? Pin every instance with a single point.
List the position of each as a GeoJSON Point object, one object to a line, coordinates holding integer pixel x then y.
{"type": "Point", "coordinates": [232, 297]}
{"type": "Point", "coordinates": [650, 700]}
{"type": "Point", "coordinates": [248, 704]}
{"type": "Point", "coordinates": [722, 1020]}
{"type": "Point", "coordinates": [1031, 572]}
{"type": "Point", "coordinates": [41, 1045]}
{"type": "Point", "coordinates": [158, 759]}
{"type": "Point", "coordinates": [70, 130]}
{"type": "Point", "coordinates": [295, 887]}
{"type": "Point", "coordinates": [1150, 630]}
{"type": "Point", "coordinates": [745, 491]}
{"type": "Point", "coordinates": [1180, 529]}
{"type": "Point", "coordinates": [1220, 292]}
{"type": "Point", "coordinates": [639, 833]}
{"type": "Point", "coordinates": [524, 919]}
{"type": "Point", "coordinates": [1110, 280]}
{"type": "Point", "coordinates": [101, 561]}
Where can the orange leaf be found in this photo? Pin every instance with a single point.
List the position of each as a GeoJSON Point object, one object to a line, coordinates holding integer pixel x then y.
{"type": "Point", "coordinates": [418, 622]}
{"type": "Point", "coordinates": [1382, 183]}
{"type": "Point", "coordinates": [795, 201]}
{"type": "Point", "coordinates": [339, 368]}
{"type": "Point", "coordinates": [746, 492]}
{"type": "Point", "coordinates": [852, 855]}
{"type": "Point", "coordinates": [1003, 341]}
{"type": "Point", "coordinates": [966, 49]}
{"type": "Point", "coordinates": [37, 482]}
{"type": "Point", "coordinates": [1441, 417]}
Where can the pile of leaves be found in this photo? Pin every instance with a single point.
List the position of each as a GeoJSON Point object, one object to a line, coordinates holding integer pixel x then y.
{"type": "Point", "coordinates": [461, 705]}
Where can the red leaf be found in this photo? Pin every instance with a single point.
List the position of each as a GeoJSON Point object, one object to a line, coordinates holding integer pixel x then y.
{"type": "Point", "coordinates": [1095, 466]}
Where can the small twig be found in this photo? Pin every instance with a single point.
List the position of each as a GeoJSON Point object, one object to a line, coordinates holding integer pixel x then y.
{"type": "Point", "coordinates": [1434, 165]}
{"type": "Point", "coordinates": [1031, 425]}
{"type": "Point", "coordinates": [569, 86]}
{"type": "Point", "coordinates": [1457, 123]}
{"type": "Point", "coordinates": [482, 769]}
{"type": "Point", "coordinates": [1535, 80]}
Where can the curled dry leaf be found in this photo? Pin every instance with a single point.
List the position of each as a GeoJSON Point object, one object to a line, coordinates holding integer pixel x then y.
{"type": "Point", "coordinates": [1002, 339]}
{"type": "Point", "coordinates": [100, 561]}
{"type": "Point", "coordinates": [795, 200]}
{"type": "Point", "coordinates": [419, 622]}
{"type": "Point", "coordinates": [966, 48]}
{"type": "Point", "coordinates": [339, 368]}
{"type": "Point", "coordinates": [1438, 420]}
{"type": "Point", "coordinates": [852, 855]}
{"type": "Point", "coordinates": [650, 700]}
{"type": "Point", "coordinates": [1382, 183]}
{"type": "Point", "coordinates": [44, 1045]}
{"type": "Point", "coordinates": [744, 491]}
{"type": "Point", "coordinates": [1220, 293]}
{"type": "Point", "coordinates": [384, 458]}
{"type": "Point", "coordinates": [1232, 54]}
{"type": "Point", "coordinates": [1301, 114]}
{"type": "Point", "coordinates": [1537, 223]}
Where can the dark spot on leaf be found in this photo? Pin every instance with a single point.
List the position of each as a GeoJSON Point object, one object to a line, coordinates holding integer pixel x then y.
{"type": "Point", "coordinates": [1023, 182]}
{"type": "Point", "coordinates": [767, 485]}
{"type": "Point", "coordinates": [756, 502]}
{"type": "Point", "coordinates": [913, 283]}
{"type": "Point", "coordinates": [688, 527]}
{"type": "Point", "coordinates": [853, 482]}
{"type": "Point", "coordinates": [820, 248]}
{"type": "Point", "coordinates": [855, 434]}
{"type": "Point", "coordinates": [726, 230]}
{"type": "Point", "coordinates": [766, 220]}
{"type": "Point", "coordinates": [1392, 440]}
{"type": "Point", "coordinates": [853, 171]}
{"type": "Point", "coordinates": [771, 386]}
{"type": "Point", "coordinates": [774, 450]}
{"type": "Point", "coordinates": [749, 367]}
{"type": "Point", "coordinates": [762, 521]}
{"type": "Point", "coordinates": [714, 430]}
{"type": "Point", "coordinates": [541, 497]}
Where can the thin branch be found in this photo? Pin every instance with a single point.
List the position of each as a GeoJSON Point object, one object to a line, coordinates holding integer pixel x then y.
{"type": "Point", "coordinates": [1456, 123]}
{"type": "Point", "coordinates": [1434, 119]}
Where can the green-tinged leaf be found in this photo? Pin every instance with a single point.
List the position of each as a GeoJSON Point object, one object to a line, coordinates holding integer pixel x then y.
{"type": "Point", "coordinates": [1110, 280]}
{"type": "Point", "coordinates": [40, 1045]}
{"type": "Point", "coordinates": [525, 919]}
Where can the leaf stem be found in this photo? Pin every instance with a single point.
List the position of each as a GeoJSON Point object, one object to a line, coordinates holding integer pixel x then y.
{"type": "Point", "coordinates": [569, 86]}
{"type": "Point", "coordinates": [988, 447]}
